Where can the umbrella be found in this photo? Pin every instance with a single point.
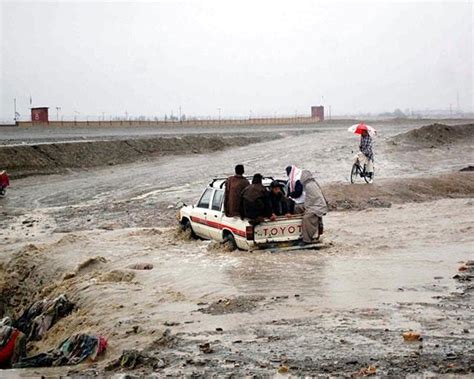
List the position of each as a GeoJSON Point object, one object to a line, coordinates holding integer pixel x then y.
{"type": "Point", "coordinates": [359, 128]}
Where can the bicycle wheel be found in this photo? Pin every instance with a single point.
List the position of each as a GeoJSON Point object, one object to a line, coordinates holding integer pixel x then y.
{"type": "Point", "coordinates": [369, 179]}
{"type": "Point", "coordinates": [354, 172]}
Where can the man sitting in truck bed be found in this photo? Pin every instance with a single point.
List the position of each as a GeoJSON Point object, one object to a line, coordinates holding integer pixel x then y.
{"type": "Point", "coordinates": [233, 190]}
{"type": "Point", "coordinates": [255, 202]}
{"type": "Point", "coordinates": [281, 205]}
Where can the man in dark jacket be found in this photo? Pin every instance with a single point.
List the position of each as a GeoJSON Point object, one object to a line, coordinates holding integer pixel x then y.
{"type": "Point", "coordinates": [233, 190]}
{"type": "Point", "coordinates": [255, 200]}
{"type": "Point", "coordinates": [281, 205]}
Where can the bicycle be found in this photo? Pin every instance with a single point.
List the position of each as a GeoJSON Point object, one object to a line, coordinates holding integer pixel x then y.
{"type": "Point", "coordinates": [360, 170]}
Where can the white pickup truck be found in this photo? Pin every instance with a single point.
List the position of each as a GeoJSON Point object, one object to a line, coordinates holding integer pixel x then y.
{"type": "Point", "coordinates": [207, 220]}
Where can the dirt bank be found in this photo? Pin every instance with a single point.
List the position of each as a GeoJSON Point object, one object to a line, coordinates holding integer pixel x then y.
{"type": "Point", "coordinates": [381, 194]}
{"type": "Point", "coordinates": [435, 135]}
{"type": "Point", "coordinates": [23, 160]}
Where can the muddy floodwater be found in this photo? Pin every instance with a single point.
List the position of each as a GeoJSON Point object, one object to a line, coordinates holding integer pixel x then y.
{"type": "Point", "coordinates": [107, 238]}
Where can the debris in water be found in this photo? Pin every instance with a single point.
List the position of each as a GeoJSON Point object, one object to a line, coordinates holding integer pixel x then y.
{"type": "Point", "coordinates": [12, 344]}
{"type": "Point", "coordinates": [42, 315]}
{"type": "Point", "coordinates": [368, 371]}
{"type": "Point", "coordinates": [141, 266]}
{"type": "Point", "coordinates": [233, 305]}
{"type": "Point", "coordinates": [171, 323]}
{"type": "Point", "coordinates": [71, 351]}
{"type": "Point", "coordinates": [132, 359]}
{"type": "Point", "coordinates": [206, 348]}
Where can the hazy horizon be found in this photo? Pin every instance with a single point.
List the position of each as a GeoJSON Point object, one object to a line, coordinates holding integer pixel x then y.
{"type": "Point", "coordinates": [242, 57]}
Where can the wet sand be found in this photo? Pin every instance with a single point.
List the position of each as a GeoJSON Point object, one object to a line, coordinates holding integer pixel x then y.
{"type": "Point", "coordinates": [337, 310]}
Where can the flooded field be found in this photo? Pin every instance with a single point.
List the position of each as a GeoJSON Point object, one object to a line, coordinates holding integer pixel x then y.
{"type": "Point", "coordinates": [107, 238]}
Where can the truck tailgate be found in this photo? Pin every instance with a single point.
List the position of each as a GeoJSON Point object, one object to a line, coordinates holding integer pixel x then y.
{"type": "Point", "coordinates": [281, 230]}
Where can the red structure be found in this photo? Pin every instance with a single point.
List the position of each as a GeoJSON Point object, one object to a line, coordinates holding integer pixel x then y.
{"type": "Point", "coordinates": [318, 112]}
{"type": "Point", "coordinates": [39, 114]}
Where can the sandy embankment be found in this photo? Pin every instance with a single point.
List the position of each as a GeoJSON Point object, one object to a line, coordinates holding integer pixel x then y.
{"type": "Point", "coordinates": [434, 136]}
{"type": "Point", "coordinates": [23, 160]}
{"type": "Point", "coordinates": [384, 193]}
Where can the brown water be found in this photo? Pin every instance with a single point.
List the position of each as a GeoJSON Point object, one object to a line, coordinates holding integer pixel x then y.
{"type": "Point", "coordinates": [381, 268]}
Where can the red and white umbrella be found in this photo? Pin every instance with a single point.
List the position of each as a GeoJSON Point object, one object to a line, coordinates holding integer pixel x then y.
{"type": "Point", "coordinates": [359, 128]}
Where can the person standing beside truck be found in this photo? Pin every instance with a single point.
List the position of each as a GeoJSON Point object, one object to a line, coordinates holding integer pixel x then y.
{"type": "Point", "coordinates": [233, 189]}
{"type": "Point", "coordinates": [315, 207]}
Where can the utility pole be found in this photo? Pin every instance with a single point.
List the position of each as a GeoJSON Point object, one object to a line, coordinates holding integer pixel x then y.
{"type": "Point", "coordinates": [14, 109]}
{"type": "Point", "coordinates": [57, 113]}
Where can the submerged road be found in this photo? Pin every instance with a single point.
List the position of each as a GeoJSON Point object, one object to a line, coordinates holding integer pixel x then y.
{"type": "Point", "coordinates": [137, 191]}
{"type": "Point", "coordinates": [35, 135]}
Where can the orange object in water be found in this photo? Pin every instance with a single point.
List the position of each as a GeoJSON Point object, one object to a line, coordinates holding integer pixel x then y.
{"type": "Point", "coordinates": [369, 371]}
{"type": "Point", "coordinates": [411, 336]}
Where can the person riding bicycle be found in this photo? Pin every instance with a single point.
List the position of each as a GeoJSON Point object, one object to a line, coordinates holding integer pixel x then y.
{"type": "Point", "coordinates": [366, 155]}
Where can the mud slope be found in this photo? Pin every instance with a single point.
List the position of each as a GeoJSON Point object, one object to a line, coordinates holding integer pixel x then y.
{"type": "Point", "coordinates": [21, 160]}
{"type": "Point", "coordinates": [383, 193]}
{"type": "Point", "coordinates": [435, 135]}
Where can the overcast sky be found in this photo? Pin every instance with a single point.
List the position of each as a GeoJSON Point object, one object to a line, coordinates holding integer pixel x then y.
{"type": "Point", "coordinates": [149, 58]}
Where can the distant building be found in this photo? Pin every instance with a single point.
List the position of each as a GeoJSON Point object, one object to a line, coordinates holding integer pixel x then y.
{"type": "Point", "coordinates": [317, 112]}
{"type": "Point", "coordinates": [40, 114]}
